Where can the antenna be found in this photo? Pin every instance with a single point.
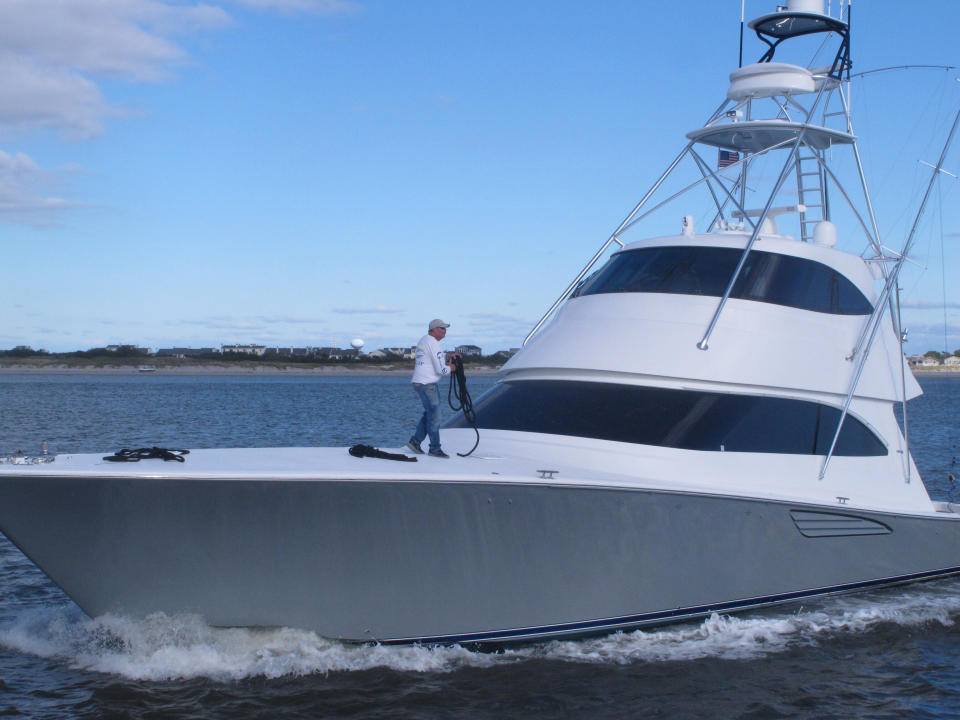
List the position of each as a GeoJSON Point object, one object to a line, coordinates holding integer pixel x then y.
{"type": "Point", "coordinates": [743, 11]}
{"type": "Point", "coordinates": [938, 169]}
{"type": "Point", "coordinates": [943, 270]}
{"type": "Point", "coordinates": [943, 264]}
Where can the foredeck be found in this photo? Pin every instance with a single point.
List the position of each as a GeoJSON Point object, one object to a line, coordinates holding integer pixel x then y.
{"type": "Point", "coordinates": [319, 463]}
{"type": "Point", "coordinates": [507, 458]}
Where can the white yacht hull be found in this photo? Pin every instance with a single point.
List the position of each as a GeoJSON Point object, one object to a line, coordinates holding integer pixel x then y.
{"type": "Point", "coordinates": [397, 556]}
{"type": "Point", "coordinates": [703, 423]}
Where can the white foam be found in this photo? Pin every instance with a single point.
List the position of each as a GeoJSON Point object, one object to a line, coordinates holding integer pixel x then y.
{"type": "Point", "coordinates": [165, 648]}
{"type": "Point", "coordinates": [757, 635]}
{"type": "Point", "coordinates": [161, 647]}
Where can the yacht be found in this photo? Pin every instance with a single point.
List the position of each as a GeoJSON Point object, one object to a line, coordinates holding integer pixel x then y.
{"type": "Point", "coordinates": [742, 452]}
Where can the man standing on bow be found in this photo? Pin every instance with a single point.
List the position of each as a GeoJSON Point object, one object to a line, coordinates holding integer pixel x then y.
{"type": "Point", "coordinates": [430, 365]}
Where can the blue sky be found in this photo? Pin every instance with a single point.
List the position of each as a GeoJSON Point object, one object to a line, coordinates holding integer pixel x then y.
{"type": "Point", "coordinates": [303, 172]}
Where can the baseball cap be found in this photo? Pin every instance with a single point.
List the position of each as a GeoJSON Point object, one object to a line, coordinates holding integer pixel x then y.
{"type": "Point", "coordinates": [438, 323]}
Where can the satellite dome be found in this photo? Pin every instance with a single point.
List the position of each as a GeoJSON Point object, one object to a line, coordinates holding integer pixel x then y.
{"type": "Point", "coordinates": [357, 343]}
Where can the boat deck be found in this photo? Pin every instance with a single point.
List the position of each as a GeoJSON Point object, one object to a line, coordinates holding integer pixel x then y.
{"type": "Point", "coordinates": [512, 458]}
{"type": "Point", "coordinates": [326, 463]}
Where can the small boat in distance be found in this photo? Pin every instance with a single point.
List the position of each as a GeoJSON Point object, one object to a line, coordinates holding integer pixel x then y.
{"type": "Point", "coordinates": [147, 368]}
{"type": "Point", "coordinates": [744, 452]}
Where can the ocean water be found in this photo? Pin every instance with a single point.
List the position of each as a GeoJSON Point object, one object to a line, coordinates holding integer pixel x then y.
{"type": "Point", "coordinates": [884, 654]}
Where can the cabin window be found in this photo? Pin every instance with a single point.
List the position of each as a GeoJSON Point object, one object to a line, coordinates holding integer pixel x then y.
{"type": "Point", "coordinates": [765, 277]}
{"type": "Point", "coordinates": [683, 419]}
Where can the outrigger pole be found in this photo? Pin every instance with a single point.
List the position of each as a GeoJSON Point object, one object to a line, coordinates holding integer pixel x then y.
{"type": "Point", "coordinates": [874, 322]}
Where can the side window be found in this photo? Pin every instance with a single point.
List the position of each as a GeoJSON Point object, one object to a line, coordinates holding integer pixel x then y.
{"type": "Point", "coordinates": [683, 419]}
{"type": "Point", "coordinates": [765, 277]}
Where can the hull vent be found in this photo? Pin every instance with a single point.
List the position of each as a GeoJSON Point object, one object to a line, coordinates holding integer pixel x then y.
{"type": "Point", "coordinates": [817, 525]}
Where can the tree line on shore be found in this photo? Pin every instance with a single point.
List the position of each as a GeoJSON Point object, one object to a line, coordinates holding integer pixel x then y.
{"type": "Point", "coordinates": [941, 356]}
{"type": "Point", "coordinates": [142, 354]}
{"type": "Point", "coordinates": [132, 354]}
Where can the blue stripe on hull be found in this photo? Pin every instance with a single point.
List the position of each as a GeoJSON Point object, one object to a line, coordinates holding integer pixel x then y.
{"type": "Point", "coordinates": [589, 627]}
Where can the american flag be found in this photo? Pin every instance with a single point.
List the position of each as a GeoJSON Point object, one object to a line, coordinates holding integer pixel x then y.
{"type": "Point", "coordinates": [726, 158]}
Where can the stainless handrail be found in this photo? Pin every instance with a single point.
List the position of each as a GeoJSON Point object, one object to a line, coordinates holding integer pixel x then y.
{"type": "Point", "coordinates": [788, 165]}
{"type": "Point", "coordinates": [705, 169]}
{"type": "Point", "coordinates": [903, 391]}
{"type": "Point", "coordinates": [718, 113]}
{"type": "Point", "coordinates": [613, 238]}
{"type": "Point", "coordinates": [702, 180]}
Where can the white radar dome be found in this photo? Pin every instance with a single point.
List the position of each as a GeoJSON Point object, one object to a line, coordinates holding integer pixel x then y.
{"type": "Point", "coordinates": [810, 6]}
{"type": "Point", "coordinates": [825, 233]}
{"type": "Point", "coordinates": [357, 343]}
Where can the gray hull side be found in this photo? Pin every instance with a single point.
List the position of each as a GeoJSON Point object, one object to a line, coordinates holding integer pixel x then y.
{"type": "Point", "coordinates": [458, 561]}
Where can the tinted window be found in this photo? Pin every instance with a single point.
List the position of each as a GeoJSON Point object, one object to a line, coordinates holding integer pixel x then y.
{"type": "Point", "coordinates": [683, 419]}
{"type": "Point", "coordinates": [765, 277]}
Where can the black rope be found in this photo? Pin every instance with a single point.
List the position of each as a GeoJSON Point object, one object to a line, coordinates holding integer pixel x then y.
{"type": "Point", "coordinates": [458, 390]}
{"type": "Point", "coordinates": [155, 452]}
{"type": "Point", "coordinates": [370, 451]}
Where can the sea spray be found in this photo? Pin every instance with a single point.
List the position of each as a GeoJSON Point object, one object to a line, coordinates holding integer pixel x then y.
{"type": "Point", "coordinates": [162, 647]}
{"type": "Point", "coordinates": [755, 635]}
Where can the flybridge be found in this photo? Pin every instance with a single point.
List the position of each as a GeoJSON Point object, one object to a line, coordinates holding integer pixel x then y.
{"type": "Point", "coordinates": [776, 131]}
{"type": "Point", "coordinates": [770, 107]}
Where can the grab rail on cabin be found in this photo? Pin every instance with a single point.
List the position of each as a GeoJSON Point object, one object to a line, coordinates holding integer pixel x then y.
{"type": "Point", "coordinates": [613, 238]}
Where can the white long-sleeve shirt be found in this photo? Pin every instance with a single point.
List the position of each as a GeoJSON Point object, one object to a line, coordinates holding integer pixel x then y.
{"type": "Point", "coordinates": [430, 363]}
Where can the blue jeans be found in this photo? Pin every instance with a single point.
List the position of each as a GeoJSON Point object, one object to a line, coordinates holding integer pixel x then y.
{"type": "Point", "coordinates": [430, 420]}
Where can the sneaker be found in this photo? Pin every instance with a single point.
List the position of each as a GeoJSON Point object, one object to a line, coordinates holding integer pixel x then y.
{"type": "Point", "coordinates": [414, 447]}
{"type": "Point", "coordinates": [438, 453]}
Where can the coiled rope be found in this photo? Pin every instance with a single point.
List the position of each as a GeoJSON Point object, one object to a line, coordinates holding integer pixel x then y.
{"type": "Point", "coordinates": [126, 455]}
{"type": "Point", "coordinates": [458, 390]}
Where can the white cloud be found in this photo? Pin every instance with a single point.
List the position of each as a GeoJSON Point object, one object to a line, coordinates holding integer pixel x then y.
{"type": "Point", "coordinates": [375, 310]}
{"type": "Point", "coordinates": [322, 7]}
{"type": "Point", "coordinates": [493, 330]}
{"type": "Point", "coordinates": [35, 96]}
{"type": "Point", "coordinates": [490, 318]}
{"type": "Point", "coordinates": [52, 52]}
{"type": "Point", "coordinates": [263, 328]}
{"type": "Point", "coordinates": [491, 323]}
{"type": "Point", "coordinates": [926, 336]}
{"type": "Point", "coordinates": [22, 190]}
{"type": "Point", "coordinates": [928, 304]}
{"type": "Point", "coordinates": [222, 323]}
{"type": "Point", "coordinates": [290, 320]}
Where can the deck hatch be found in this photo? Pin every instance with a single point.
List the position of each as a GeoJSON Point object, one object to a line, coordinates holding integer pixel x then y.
{"type": "Point", "coordinates": [819, 524]}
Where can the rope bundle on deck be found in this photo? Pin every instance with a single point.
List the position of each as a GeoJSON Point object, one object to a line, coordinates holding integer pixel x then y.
{"type": "Point", "coordinates": [139, 454]}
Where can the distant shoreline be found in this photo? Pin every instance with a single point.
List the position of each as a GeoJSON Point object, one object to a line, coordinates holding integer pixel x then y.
{"type": "Point", "coordinates": [248, 368]}
{"type": "Point", "coordinates": [277, 369]}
